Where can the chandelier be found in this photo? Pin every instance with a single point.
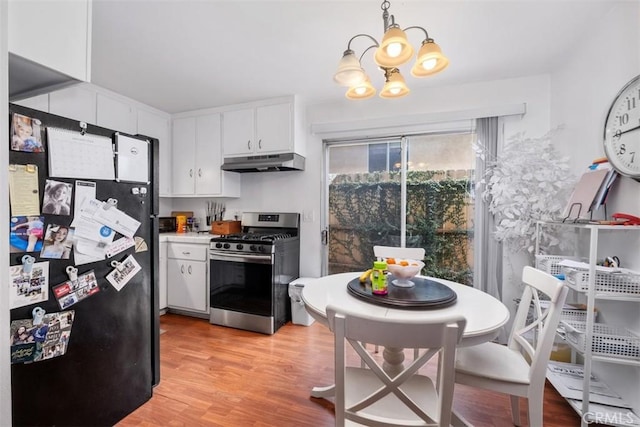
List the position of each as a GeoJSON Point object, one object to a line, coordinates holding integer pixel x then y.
{"type": "Point", "coordinates": [393, 51]}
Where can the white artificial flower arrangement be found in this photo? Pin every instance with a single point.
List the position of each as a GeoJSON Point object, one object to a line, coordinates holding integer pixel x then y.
{"type": "Point", "coordinates": [528, 182]}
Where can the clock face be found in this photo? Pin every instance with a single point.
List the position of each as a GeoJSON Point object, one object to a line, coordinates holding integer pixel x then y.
{"type": "Point", "coordinates": [622, 131]}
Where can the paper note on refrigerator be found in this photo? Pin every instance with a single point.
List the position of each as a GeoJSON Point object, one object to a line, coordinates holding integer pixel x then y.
{"type": "Point", "coordinates": [132, 159]}
{"type": "Point", "coordinates": [116, 219]}
{"type": "Point", "coordinates": [23, 190]}
{"type": "Point", "coordinates": [76, 155]}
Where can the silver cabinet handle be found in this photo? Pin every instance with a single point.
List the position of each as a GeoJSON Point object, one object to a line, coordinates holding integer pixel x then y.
{"type": "Point", "coordinates": [186, 253]}
{"type": "Point", "coordinates": [199, 173]}
{"type": "Point", "coordinates": [189, 269]}
{"type": "Point", "coordinates": [260, 144]}
{"type": "Point", "coordinates": [182, 269]}
{"type": "Point", "coordinates": [249, 145]}
{"type": "Point", "coordinates": [190, 173]}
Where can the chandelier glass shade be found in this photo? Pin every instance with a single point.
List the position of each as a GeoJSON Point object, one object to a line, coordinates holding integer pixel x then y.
{"type": "Point", "coordinates": [393, 51]}
{"type": "Point", "coordinates": [362, 90]}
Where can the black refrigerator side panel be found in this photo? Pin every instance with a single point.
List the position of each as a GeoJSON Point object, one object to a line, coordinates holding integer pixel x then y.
{"type": "Point", "coordinates": [107, 370]}
{"type": "Point", "coordinates": [154, 247]}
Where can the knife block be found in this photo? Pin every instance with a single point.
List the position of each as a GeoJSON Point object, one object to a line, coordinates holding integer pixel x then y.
{"type": "Point", "coordinates": [225, 227]}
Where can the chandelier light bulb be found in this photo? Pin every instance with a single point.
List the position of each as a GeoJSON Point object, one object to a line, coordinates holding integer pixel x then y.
{"type": "Point", "coordinates": [429, 64]}
{"type": "Point", "coordinates": [394, 49]}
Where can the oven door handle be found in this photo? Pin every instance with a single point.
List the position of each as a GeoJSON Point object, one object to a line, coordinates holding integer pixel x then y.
{"type": "Point", "coordinates": [260, 259]}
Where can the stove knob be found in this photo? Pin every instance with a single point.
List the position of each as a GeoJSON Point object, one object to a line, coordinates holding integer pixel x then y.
{"type": "Point", "coordinates": [239, 246]}
{"type": "Point", "coordinates": [252, 247]}
{"type": "Point", "coordinates": [226, 246]}
{"type": "Point", "coordinates": [260, 248]}
{"type": "Point", "coordinates": [218, 245]}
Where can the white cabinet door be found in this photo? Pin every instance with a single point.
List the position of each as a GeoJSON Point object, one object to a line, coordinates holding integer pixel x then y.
{"type": "Point", "coordinates": [39, 102]}
{"type": "Point", "coordinates": [115, 114]}
{"type": "Point", "coordinates": [162, 277]}
{"type": "Point", "coordinates": [184, 154]}
{"type": "Point", "coordinates": [238, 130]}
{"type": "Point", "coordinates": [274, 128]}
{"type": "Point", "coordinates": [156, 126]}
{"type": "Point", "coordinates": [55, 34]}
{"type": "Point", "coordinates": [187, 285]}
{"type": "Point", "coordinates": [75, 103]}
{"type": "Point", "coordinates": [208, 155]}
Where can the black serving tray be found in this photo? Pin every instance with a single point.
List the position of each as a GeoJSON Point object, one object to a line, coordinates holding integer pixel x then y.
{"type": "Point", "coordinates": [424, 295]}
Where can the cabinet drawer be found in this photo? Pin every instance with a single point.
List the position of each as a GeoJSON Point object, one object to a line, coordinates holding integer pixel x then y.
{"type": "Point", "coordinates": [189, 252]}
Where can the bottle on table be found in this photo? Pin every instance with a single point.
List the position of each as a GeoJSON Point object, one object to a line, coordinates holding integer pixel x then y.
{"type": "Point", "coordinates": [379, 284]}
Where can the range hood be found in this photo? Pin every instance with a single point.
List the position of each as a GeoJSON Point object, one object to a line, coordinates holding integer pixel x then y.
{"type": "Point", "coordinates": [265, 163]}
{"type": "Point", "coordinates": [27, 78]}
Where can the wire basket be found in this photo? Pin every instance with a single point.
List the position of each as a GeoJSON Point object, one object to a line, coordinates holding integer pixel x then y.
{"type": "Point", "coordinates": [549, 263]}
{"type": "Point", "coordinates": [576, 315]}
{"type": "Point", "coordinates": [622, 284]}
{"type": "Point", "coordinates": [606, 340]}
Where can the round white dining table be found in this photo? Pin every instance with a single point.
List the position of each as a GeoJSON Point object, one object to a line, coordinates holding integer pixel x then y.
{"type": "Point", "coordinates": [485, 316]}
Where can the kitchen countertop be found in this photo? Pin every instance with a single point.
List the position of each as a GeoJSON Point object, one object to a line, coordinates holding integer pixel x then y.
{"type": "Point", "coordinates": [202, 238]}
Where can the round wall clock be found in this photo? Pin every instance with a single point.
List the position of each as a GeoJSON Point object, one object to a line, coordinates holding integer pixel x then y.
{"type": "Point", "coordinates": [622, 131]}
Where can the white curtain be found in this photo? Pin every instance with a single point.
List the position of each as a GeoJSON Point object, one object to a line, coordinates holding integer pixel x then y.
{"type": "Point", "coordinates": [487, 268]}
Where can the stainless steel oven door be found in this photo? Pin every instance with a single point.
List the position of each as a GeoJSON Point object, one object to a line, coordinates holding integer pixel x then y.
{"type": "Point", "coordinates": [241, 283]}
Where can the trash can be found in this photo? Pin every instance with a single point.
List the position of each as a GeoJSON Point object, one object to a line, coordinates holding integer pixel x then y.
{"type": "Point", "coordinates": [299, 315]}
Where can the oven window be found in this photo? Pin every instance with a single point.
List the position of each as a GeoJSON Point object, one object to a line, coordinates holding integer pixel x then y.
{"type": "Point", "coordinates": [242, 286]}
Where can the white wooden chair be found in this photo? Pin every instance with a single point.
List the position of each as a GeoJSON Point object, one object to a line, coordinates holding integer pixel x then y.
{"type": "Point", "coordinates": [369, 395]}
{"type": "Point", "coordinates": [384, 252]}
{"type": "Point", "coordinates": [519, 369]}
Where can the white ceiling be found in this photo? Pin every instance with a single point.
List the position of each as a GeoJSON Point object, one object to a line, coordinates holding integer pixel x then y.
{"type": "Point", "coordinates": [179, 55]}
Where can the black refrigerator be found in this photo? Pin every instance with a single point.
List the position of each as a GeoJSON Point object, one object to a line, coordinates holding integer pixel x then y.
{"type": "Point", "coordinates": [105, 362]}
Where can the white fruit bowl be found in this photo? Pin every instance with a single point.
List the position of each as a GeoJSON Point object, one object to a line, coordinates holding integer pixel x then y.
{"type": "Point", "coordinates": [404, 273]}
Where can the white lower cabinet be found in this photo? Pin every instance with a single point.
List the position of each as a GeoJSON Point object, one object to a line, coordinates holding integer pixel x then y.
{"type": "Point", "coordinates": [187, 277]}
{"type": "Point", "coordinates": [162, 276]}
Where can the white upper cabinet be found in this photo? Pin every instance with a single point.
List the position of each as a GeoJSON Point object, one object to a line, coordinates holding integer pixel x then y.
{"type": "Point", "coordinates": [184, 155]}
{"type": "Point", "coordinates": [40, 102]}
{"type": "Point", "coordinates": [239, 133]}
{"type": "Point", "coordinates": [75, 102]}
{"type": "Point", "coordinates": [115, 114]}
{"type": "Point", "coordinates": [265, 128]}
{"type": "Point", "coordinates": [56, 34]}
{"type": "Point", "coordinates": [157, 126]}
{"type": "Point", "coordinates": [197, 157]}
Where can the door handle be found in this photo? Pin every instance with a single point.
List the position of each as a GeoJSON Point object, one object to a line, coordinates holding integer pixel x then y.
{"type": "Point", "coordinates": [249, 145]}
{"type": "Point", "coordinates": [186, 253]}
{"type": "Point", "coordinates": [182, 269]}
{"type": "Point", "coordinates": [324, 236]}
{"type": "Point", "coordinates": [189, 269]}
{"type": "Point", "coordinates": [190, 173]}
{"type": "Point", "coordinates": [199, 173]}
{"type": "Point", "coordinates": [260, 144]}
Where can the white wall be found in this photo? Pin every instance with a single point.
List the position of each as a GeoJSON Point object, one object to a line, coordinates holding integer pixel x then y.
{"type": "Point", "coordinates": [582, 89]}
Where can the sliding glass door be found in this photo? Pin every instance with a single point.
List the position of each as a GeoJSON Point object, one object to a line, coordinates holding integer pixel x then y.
{"type": "Point", "coordinates": [406, 191]}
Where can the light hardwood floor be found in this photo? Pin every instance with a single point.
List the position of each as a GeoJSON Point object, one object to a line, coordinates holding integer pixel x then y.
{"type": "Point", "coordinates": [217, 376]}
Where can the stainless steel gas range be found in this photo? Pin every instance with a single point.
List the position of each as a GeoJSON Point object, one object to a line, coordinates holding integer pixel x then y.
{"type": "Point", "coordinates": [251, 271]}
